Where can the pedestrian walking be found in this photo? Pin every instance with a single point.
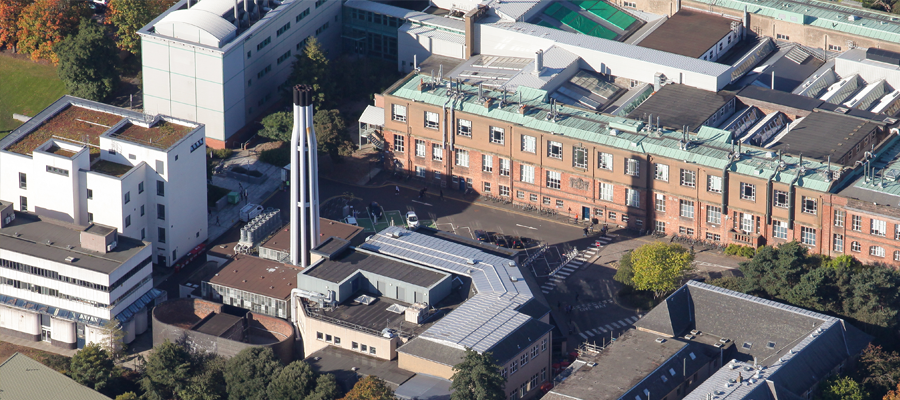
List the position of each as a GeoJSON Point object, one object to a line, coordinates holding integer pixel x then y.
{"type": "Point", "coordinates": [217, 220]}
{"type": "Point", "coordinates": [576, 297]}
{"type": "Point", "coordinates": [585, 231]}
{"type": "Point", "coordinates": [442, 194]}
{"type": "Point", "coordinates": [396, 190]}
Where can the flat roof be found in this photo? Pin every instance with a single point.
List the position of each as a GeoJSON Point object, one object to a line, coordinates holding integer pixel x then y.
{"type": "Point", "coordinates": [257, 275]}
{"type": "Point", "coordinates": [281, 239]}
{"type": "Point", "coordinates": [678, 105]}
{"type": "Point", "coordinates": [341, 362]}
{"type": "Point", "coordinates": [218, 324]}
{"type": "Point", "coordinates": [822, 134]}
{"type": "Point", "coordinates": [29, 234]}
{"type": "Point", "coordinates": [73, 123]}
{"type": "Point", "coordinates": [342, 267]}
{"type": "Point", "coordinates": [162, 135]}
{"type": "Point", "coordinates": [111, 168]}
{"type": "Point", "coordinates": [22, 378]}
{"type": "Point", "coordinates": [689, 33]}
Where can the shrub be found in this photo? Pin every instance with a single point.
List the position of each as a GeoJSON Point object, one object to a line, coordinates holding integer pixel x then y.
{"type": "Point", "coordinates": [733, 249]}
{"type": "Point", "coordinates": [222, 153]}
{"type": "Point", "coordinates": [278, 157]}
{"type": "Point", "coordinates": [747, 252]}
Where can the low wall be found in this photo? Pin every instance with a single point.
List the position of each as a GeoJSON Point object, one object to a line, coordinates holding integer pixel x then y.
{"type": "Point", "coordinates": [172, 321]}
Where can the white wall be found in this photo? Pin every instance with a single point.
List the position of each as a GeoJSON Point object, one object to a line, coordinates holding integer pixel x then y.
{"type": "Point", "coordinates": [62, 330]}
{"type": "Point", "coordinates": [20, 320]}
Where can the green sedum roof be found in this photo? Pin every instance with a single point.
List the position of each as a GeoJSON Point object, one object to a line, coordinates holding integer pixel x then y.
{"type": "Point", "coordinates": [710, 147]}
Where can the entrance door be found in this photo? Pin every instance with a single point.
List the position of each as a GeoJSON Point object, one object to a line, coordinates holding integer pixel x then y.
{"type": "Point", "coordinates": [45, 334]}
{"type": "Point", "coordinates": [401, 293]}
{"type": "Point", "coordinates": [585, 213]}
{"type": "Point", "coordinates": [462, 184]}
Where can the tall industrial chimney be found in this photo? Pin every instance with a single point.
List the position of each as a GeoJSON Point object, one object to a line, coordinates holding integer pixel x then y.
{"type": "Point", "coordinates": [538, 62]}
{"type": "Point", "coordinates": [304, 179]}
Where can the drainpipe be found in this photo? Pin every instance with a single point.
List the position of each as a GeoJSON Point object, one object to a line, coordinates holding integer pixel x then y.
{"type": "Point", "coordinates": [791, 192]}
{"type": "Point", "coordinates": [769, 195]}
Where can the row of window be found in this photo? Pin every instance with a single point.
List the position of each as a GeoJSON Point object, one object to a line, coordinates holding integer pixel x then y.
{"type": "Point", "coordinates": [522, 360]}
{"type": "Point", "coordinates": [49, 292]}
{"type": "Point", "coordinates": [877, 227]}
{"type": "Point", "coordinates": [353, 345]}
{"type": "Point", "coordinates": [529, 385]}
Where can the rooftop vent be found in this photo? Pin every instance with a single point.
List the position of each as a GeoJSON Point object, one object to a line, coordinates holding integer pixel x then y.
{"type": "Point", "coordinates": [471, 261]}
{"type": "Point", "coordinates": [724, 340]}
{"type": "Point", "coordinates": [770, 345]}
{"type": "Point", "coordinates": [696, 332]}
{"type": "Point", "coordinates": [688, 336]}
{"type": "Point", "coordinates": [70, 259]}
{"type": "Point", "coordinates": [719, 345]}
{"type": "Point", "coordinates": [660, 340]}
{"type": "Point", "coordinates": [512, 264]}
{"type": "Point", "coordinates": [513, 279]}
{"type": "Point", "coordinates": [49, 242]}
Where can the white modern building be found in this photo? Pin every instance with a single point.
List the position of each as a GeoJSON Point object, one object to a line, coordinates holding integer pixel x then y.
{"type": "Point", "coordinates": [61, 282]}
{"type": "Point", "coordinates": [84, 162]}
{"type": "Point", "coordinates": [222, 62]}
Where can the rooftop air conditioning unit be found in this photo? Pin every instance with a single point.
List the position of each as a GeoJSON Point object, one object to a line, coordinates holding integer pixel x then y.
{"type": "Point", "coordinates": [471, 261]}
{"type": "Point", "coordinates": [70, 259]}
{"type": "Point", "coordinates": [660, 340]}
{"type": "Point", "coordinates": [111, 246]}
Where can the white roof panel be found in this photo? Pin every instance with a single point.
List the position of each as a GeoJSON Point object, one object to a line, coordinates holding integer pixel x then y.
{"type": "Point", "coordinates": [207, 22]}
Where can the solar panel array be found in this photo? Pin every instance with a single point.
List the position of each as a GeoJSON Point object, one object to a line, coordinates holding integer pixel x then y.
{"type": "Point", "coordinates": [486, 318]}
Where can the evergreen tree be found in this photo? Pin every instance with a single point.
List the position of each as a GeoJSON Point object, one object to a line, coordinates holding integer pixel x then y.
{"type": "Point", "coordinates": [477, 377]}
{"type": "Point", "coordinates": [91, 366]}
{"type": "Point", "coordinates": [247, 374]}
{"type": "Point", "coordinates": [326, 388]}
{"type": "Point", "coordinates": [842, 388]}
{"type": "Point", "coordinates": [294, 382]}
{"type": "Point", "coordinates": [312, 68]}
{"type": "Point", "coordinates": [128, 16]}
{"type": "Point", "coordinates": [331, 132]}
{"type": "Point", "coordinates": [209, 383]}
{"type": "Point", "coordinates": [660, 267]}
{"type": "Point", "coordinates": [277, 126]}
{"type": "Point", "coordinates": [167, 371]}
{"type": "Point", "coordinates": [87, 62]}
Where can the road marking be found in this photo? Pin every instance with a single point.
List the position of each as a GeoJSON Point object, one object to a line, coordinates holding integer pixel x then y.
{"type": "Point", "coordinates": [545, 291]}
{"type": "Point", "coordinates": [608, 328]}
{"type": "Point", "coordinates": [616, 324]}
{"type": "Point", "coordinates": [421, 202]}
{"type": "Point", "coordinates": [601, 329]}
{"type": "Point", "coordinates": [528, 227]}
{"type": "Point", "coordinates": [632, 319]}
{"type": "Point", "coordinates": [589, 333]}
{"type": "Point", "coordinates": [583, 335]}
{"type": "Point", "coordinates": [568, 269]}
{"type": "Point", "coordinates": [576, 263]}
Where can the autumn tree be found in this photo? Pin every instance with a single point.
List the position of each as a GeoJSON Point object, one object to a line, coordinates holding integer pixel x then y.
{"type": "Point", "coordinates": [312, 68]}
{"type": "Point", "coordinates": [45, 23]}
{"type": "Point", "coordinates": [157, 7]}
{"type": "Point", "coordinates": [477, 377]}
{"type": "Point", "coordinates": [370, 388]}
{"type": "Point", "coordinates": [87, 62]}
{"type": "Point", "coordinates": [128, 16]}
{"type": "Point", "coordinates": [842, 388]}
{"type": "Point", "coordinates": [9, 18]}
{"type": "Point", "coordinates": [659, 267]}
{"type": "Point", "coordinates": [893, 394]}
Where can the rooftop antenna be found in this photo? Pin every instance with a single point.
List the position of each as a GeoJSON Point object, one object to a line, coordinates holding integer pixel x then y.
{"type": "Point", "coordinates": [441, 72]}
{"type": "Point", "coordinates": [650, 122]}
{"type": "Point", "coordinates": [481, 91]}
{"type": "Point", "coordinates": [802, 168]}
{"type": "Point", "coordinates": [503, 100]}
{"type": "Point", "coordinates": [432, 78]}
{"type": "Point", "coordinates": [828, 172]}
{"type": "Point", "coordinates": [657, 123]}
{"type": "Point", "coordinates": [520, 98]}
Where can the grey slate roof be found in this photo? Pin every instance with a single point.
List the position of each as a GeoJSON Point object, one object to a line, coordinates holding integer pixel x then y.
{"type": "Point", "coordinates": [484, 320]}
{"type": "Point", "coordinates": [823, 134]}
{"type": "Point", "coordinates": [678, 105]}
{"type": "Point", "coordinates": [424, 387]}
{"type": "Point", "coordinates": [343, 267]}
{"type": "Point", "coordinates": [22, 378]}
{"type": "Point", "coordinates": [431, 350]}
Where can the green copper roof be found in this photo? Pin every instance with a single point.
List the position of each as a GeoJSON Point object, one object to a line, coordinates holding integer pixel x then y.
{"type": "Point", "coordinates": [710, 147]}
{"type": "Point", "coordinates": [823, 14]}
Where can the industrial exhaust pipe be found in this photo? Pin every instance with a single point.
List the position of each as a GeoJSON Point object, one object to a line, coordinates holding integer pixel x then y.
{"type": "Point", "coordinates": [304, 183]}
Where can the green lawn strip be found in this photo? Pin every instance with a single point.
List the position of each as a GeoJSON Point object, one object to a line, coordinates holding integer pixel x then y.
{"type": "Point", "coordinates": [25, 88]}
{"type": "Point", "coordinates": [366, 224]}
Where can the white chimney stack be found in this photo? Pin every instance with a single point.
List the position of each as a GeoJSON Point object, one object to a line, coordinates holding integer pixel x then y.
{"type": "Point", "coordinates": [304, 179]}
{"type": "Point", "coordinates": [538, 62]}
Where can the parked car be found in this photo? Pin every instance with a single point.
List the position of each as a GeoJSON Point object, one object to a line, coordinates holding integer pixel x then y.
{"type": "Point", "coordinates": [412, 221]}
{"type": "Point", "coordinates": [515, 242]}
{"type": "Point", "coordinates": [350, 220]}
{"type": "Point", "coordinates": [482, 236]}
{"type": "Point", "coordinates": [375, 209]}
{"type": "Point", "coordinates": [501, 240]}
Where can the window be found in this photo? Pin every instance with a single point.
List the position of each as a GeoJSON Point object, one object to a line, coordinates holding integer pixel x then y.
{"type": "Point", "coordinates": [337, 340]}
{"type": "Point", "coordinates": [526, 173]}
{"type": "Point", "coordinates": [322, 28]}
{"type": "Point", "coordinates": [896, 255]}
{"type": "Point", "coordinates": [532, 197]}
{"type": "Point", "coordinates": [896, 231]}
{"type": "Point", "coordinates": [363, 348]}
{"type": "Point", "coordinates": [91, 219]}
{"type": "Point", "coordinates": [832, 47]}
{"type": "Point", "coordinates": [746, 223]}
{"type": "Point", "coordinates": [23, 181]}
{"type": "Point", "coordinates": [630, 4]}
{"type": "Point", "coordinates": [320, 2]}
{"type": "Point", "coordinates": [632, 167]}
{"type": "Point", "coordinates": [660, 227]}
{"type": "Point", "coordinates": [879, 228]}
{"type": "Point", "coordinates": [713, 215]}
{"type": "Point", "coordinates": [876, 251]}
{"type": "Point", "coordinates": [57, 171]}
{"type": "Point", "coordinates": [462, 157]}
{"type": "Point", "coordinates": [432, 120]}
{"type": "Point", "coordinates": [543, 345]}
{"type": "Point", "coordinates": [283, 29]}
{"type": "Point", "coordinates": [529, 144]}
{"type": "Point", "coordinates": [142, 210]}
{"type": "Point", "coordinates": [264, 43]}
{"type": "Point", "coordinates": [505, 167]}
{"type": "Point", "coordinates": [265, 71]}
{"type": "Point", "coordinates": [748, 191]}
{"type": "Point", "coordinates": [611, 216]}
{"type": "Point", "coordinates": [372, 350]}
{"type": "Point", "coordinates": [354, 346]}
{"type": "Point", "coordinates": [553, 179]}
{"type": "Point", "coordinates": [437, 152]}
{"type": "Point", "coordinates": [810, 206]}
{"type": "Point", "coordinates": [838, 243]}
{"type": "Point", "coordinates": [127, 221]}
{"type": "Point", "coordinates": [143, 230]}
{"type": "Point", "coordinates": [687, 209]}
{"type": "Point", "coordinates": [856, 222]}
{"type": "Point", "coordinates": [504, 191]}
{"type": "Point", "coordinates": [161, 212]}
{"type": "Point", "coordinates": [545, 200]}
{"type": "Point", "coordinates": [487, 187]}
{"type": "Point", "coordinates": [160, 188]}
{"type": "Point", "coordinates": [320, 336]}
{"type": "Point", "coordinates": [437, 175]}
{"type": "Point", "coordinates": [420, 171]}
{"type": "Point", "coordinates": [161, 235]}
{"type": "Point", "coordinates": [524, 359]}
{"type": "Point", "coordinates": [713, 183]}
{"type": "Point", "coordinates": [713, 237]}
{"type": "Point", "coordinates": [127, 197]}
{"type": "Point", "coordinates": [498, 135]}
{"type": "Point", "coordinates": [554, 150]}
{"type": "Point", "coordinates": [523, 389]}
{"type": "Point", "coordinates": [579, 157]}
{"type": "Point", "coordinates": [487, 163]}
{"type": "Point", "coordinates": [606, 191]}
{"type": "Point", "coordinates": [328, 338]}
{"type": "Point", "coordinates": [284, 57]}
{"type": "Point", "coordinates": [780, 199]}
{"type": "Point", "coordinates": [520, 194]}
{"type": "Point", "coordinates": [807, 236]}
{"type": "Point", "coordinates": [90, 194]}
{"type": "Point", "coordinates": [782, 37]}
{"type": "Point", "coordinates": [398, 113]}
{"type": "Point", "coordinates": [779, 229]}
{"type": "Point", "coordinates": [855, 247]}
{"type": "Point", "coordinates": [301, 15]}
{"type": "Point", "coordinates": [605, 161]}
{"type": "Point", "coordinates": [464, 127]}
{"type": "Point", "coordinates": [839, 217]}
{"type": "Point", "coordinates": [514, 367]}
{"type": "Point", "coordinates": [399, 143]}
{"type": "Point", "coordinates": [420, 148]}
{"type": "Point", "coordinates": [660, 202]}
{"type": "Point", "coordinates": [688, 178]}
{"type": "Point", "coordinates": [140, 187]}
{"type": "Point", "coordinates": [661, 173]}
{"type": "Point", "coordinates": [682, 230]}
{"type": "Point", "coordinates": [632, 198]}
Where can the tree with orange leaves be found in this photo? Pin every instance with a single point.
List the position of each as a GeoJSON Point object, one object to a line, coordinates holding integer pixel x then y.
{"type": "Point", "coordinates": [9, 17]}
{"type": "Point", "coordinates": [893, 394]}
{"type": "Point", "coordinates": [45, 23]}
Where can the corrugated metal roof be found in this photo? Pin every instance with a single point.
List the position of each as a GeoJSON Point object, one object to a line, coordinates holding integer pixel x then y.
{"type": "Point", "coordinates": [615, 48]}
{"type": "Point", "coordinates": [22, 378]}
{"type": "Point", "coordinates": [217, 7]}
{"type": "Point", "coordinates": [485, 319]}
{"type": "Point", "coordinates": [373, 116]}
{"type": "Point", "coordinates": [420, 17]}
{"type": "Point", "coordinates": [204, 20]}
{"type": "Point", "coordinates": [429, 31]}
{"type": "Point", "coordinates": [711, 148]}
{"type": "Point", "coordinates": [512, 10]}
{"type": "Point", "coordinates": [556, 60]}
{"type": "Point", "coordinates": [828, 15]}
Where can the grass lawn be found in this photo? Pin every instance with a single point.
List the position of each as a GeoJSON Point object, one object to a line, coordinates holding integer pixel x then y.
{"type": "Point", "coordinates": [25, 88]}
